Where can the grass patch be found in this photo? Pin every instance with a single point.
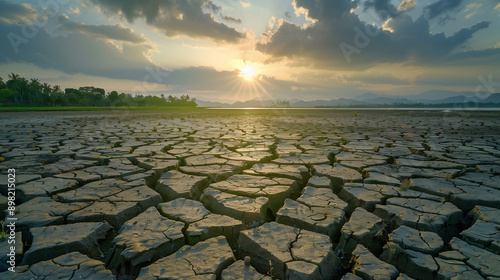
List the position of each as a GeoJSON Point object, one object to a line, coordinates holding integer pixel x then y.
{"type": "Point", "coordinates": [167, 148]}
{"type": "Point", "coordinates": [406, 184]}
{"type": "Point", "coordinates": [3, 232]}
{"type": "Point", "coordinates": [78, 108]}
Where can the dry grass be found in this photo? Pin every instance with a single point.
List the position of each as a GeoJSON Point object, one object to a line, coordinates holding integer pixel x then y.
{"type": "Point", "coordinates": [406, 184]}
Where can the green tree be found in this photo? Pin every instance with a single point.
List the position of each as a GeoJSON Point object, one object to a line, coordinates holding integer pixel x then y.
{"type": "Point", "coordinates": [19, 91]}
{"type": "Point", "coordinates": [6, 95]}
{"type": "Point", "coordinates": [19, 85]}
{"type": "Point", "coordinates": [57, 97]}
{"type": "Point", "coordinates": [92, 96]}
{"type": "Point", "coordinates": [113, 96]}
{"type": "Point", "coordinates": [73, 96]}
{"type": "Point", "coordinates": [34, 91]}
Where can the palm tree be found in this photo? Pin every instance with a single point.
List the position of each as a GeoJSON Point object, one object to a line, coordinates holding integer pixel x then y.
{"type": "Point", "coordinates": [46, 88]}
{"type": "Point", "coordinates": [13, 81]}
{"type": "Point", "coordinates": [46, 92]}
{"type": "Point", "coordinates": [35, 90]}
{"type": "Point", "coordinates": [13, 76]}
{"type": "Point", "coordinates": [172, 100]}
{"type": "Point", "coordinates": [56, 88]}
{"type": "Point", "coordinates": [18, 84]}
{"type": "Point", "coordinates": [56, 95]}
{"type": "Point", "coordinates": [23, 89]}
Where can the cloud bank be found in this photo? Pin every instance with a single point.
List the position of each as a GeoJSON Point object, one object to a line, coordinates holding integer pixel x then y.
{"type": "Point", "coordinates": [174, 17]}
{"type": "Point", "coordinates": [116, 32]}
{"type": "Point", "coordinates": [338, 40]}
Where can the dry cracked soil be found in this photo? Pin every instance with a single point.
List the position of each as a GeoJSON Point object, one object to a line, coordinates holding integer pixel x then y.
{"type": "Point", "coordinates": [252, 194]}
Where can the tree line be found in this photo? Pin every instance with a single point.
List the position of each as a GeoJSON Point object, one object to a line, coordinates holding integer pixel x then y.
{"type": "Point", "coordinates": [19, 91]}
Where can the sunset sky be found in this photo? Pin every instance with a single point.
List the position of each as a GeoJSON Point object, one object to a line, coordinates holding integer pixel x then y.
{"type": "Point", "coordinates": [228, 50]}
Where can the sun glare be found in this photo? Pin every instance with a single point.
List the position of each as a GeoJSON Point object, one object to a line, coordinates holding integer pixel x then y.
{"type": "Point", "coordinates": [247, 72]}
{"type": "Point", "coordinates": [248, 84]}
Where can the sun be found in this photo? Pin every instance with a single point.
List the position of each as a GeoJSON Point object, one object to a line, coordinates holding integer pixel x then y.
{"type": "Point", "coordinates": [247, 72]}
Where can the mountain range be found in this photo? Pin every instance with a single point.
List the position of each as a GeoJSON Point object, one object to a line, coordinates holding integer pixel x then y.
{"type": "Point", "coordinates": [431, 98]}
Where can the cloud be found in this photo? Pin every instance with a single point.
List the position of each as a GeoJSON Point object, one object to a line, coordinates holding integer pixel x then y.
{"type": "Point", "coordinates": [15, 13]}
{"type": "Point", "coordinates": [426, 48]}
{"type": "Point", "coordinates": [339, 40]}
{"type": "Point", "coordinates": [469, 15]}
{"type": "Point", "coordinates": [74, 53]}
{"type": "Point", "coordinates": [473, 6]}
{"type": "Point", "coordinates": [231, 19]}
{"type": "Point", "coordinates": [373, 77]}
{"type": "Point", "coordinates": [201, 78]}
{"type": "Point", "coordinates": [72, 11]}
{"type": "Point", "coordinates": [116, 32]}
{"type": "Point", "coordinates": [384, 8]}
{"type": "Point", "coordinates": [406, 5]}
{"type": "Point", "coordinates": [440, 7]}
{"type": "Point", "coordinates": [480, 58]}
{"type": "Point", "coordinates": [208, 82]}
{"type": "Point", "coordinates": [245, 4]}
{"type": "Point", "coordinates": [209, 4]}
{"type": "Point", "coordinates": [445, 19]}
{"type": "Point", "coordinates": [455, 77]}
{"type": "Point", "coordinates": [323, 9]}
{"type": "Point", "coordinates": [174, 17]}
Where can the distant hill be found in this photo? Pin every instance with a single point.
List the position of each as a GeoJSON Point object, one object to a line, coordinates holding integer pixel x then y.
{"type": "Point", "coordinates": [388, 100]}
{"type": "Point", "coordinates": [440, 94]}
{"type": "Point", "coordinates": [424, 97]}
{"type": "Point", "coordinates": [428, 98]}
{"type": "Point", "coordinates": [253, 103]}
{"type": "Point", "coordinates": [367, 96]}
{"type": "Point", "coordinates": [453, 99]}
{"type": "Point", "coordinates": [211, 104]}
{"type": "Point", "coordinates": [494, 98]}
{"type": "Point", "coordinates": [313, 103]}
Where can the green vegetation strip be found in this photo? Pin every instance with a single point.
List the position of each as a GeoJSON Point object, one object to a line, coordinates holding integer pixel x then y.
{"type": "Point", "coordinates": [76, 108]}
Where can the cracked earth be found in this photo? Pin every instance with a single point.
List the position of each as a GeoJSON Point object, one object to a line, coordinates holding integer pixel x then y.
{"type": "Point", "coordinates": [253, 194]}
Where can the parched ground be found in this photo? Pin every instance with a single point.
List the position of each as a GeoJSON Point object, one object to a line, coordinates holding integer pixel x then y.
{"type": "Point", "coordinates": [253, 194]}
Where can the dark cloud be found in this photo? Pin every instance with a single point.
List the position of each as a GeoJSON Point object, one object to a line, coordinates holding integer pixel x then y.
{"type": "Point", "coordinates": [418, 44]}
{"type": "Point", "coordinates": [376, 78]}
{"type": "Point", "coordinates": [480, 58]}
{"type": "Point", "coordinates": [384, 8]}
{"type": "Point", "coordinates": [231, 19]}
{"type": "Point", "coordinates": [431, 78]}
{"type": "Point", "coordinates": [440, 7]}
{"type": "Point", "coordinates": [74, 53]}
{"type": "Point", "coordinates": [174, 17]}
{"type": "Point", "coordinates": [339, 40]}
{"type": "Point", "coordinates": [445, 19]}
{"type": "Point", "coordinates": [13, 12]}
{"type": "Point", "coordinates": [116, 32]}
{"type": "Point", "coordinates": [209, 4]}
